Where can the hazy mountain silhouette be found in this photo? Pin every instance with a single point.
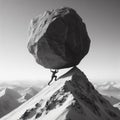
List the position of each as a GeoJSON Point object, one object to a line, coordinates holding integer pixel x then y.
{"type": "Point", "coordinates": [14, 94]}
{"type": "Point", "coordinates": [8, 101]}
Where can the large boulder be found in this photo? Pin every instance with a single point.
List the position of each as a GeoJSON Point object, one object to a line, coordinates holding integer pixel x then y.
{"type": "Point", "coordinates": [58, 39]}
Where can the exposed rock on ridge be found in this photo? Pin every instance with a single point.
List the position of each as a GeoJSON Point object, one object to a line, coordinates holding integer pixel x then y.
{"type": "Point", "coordinates": [72, 97]}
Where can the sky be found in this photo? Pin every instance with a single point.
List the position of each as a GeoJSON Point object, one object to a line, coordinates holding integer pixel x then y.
{"type": "Point", "coordinates": [102, 19]}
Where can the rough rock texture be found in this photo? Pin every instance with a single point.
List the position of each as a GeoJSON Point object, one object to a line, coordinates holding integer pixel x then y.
{"type": "Point", "coordinates": [58, 39]}
{"type": "Point", "coordinates": [72, 97]}
{"type": "Point", "coordinates": [111, 99]}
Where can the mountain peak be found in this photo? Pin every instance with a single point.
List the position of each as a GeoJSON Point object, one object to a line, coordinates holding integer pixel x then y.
{"type": "Point", "coordinates": [30, 91]}
{"type": "Point", "coordinates": [72, 97]}
{"type": "Point", "coordinates": [12, 93]}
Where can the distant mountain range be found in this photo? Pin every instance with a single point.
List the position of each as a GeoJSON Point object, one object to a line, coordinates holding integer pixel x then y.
{"type": "Point", "coordinates": [72, 97]}
{"type": "Point", "coordinates": [8, 101]}
{"type": "Point", "coordinates": [110, 88]}
{"type": "Point", "coordinates": [110, 91]}
{"type": "Point", "coordinates": [13, 95]}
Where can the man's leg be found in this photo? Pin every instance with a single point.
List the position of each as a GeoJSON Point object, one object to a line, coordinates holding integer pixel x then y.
{"type": "Point", "coordinates": [50, 81]}
{"type": "Point", "coordinates": [55, 78]}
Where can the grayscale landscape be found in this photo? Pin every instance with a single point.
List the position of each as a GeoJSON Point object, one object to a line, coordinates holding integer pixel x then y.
{"type": "Point", "coordinates": [59, 60]}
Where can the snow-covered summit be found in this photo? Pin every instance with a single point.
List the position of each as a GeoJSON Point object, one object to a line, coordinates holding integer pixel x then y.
{"type": "Point", "coordinates": [72, 97]}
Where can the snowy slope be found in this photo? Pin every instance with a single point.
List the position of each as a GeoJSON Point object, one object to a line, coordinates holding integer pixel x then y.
{"type": "Point", "coordinates": [117, 105]}
{"type": "Point", "coordinates": [27, 94]}
{"type": "Point", "coordinates": [14, 94]}
{"type": "Point", "coordinates": [72, 97]}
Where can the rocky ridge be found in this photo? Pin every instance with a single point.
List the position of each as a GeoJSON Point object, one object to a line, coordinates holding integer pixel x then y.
{"type": "Point", "coordinates": [72, 97]}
